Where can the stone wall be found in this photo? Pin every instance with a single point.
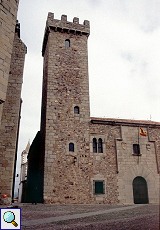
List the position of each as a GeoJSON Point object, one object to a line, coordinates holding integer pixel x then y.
{"type": "Point", "coordinates": [131, 166]}
{"type": "Point", "coordinates": [10, 117]}
{"type": "Point", "coordinates": [104, 165]}
{"type": "Point", "coordinates": [8, 15]}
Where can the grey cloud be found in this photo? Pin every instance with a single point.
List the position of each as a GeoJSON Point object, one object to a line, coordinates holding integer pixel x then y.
{"type": "Point", "coordinates": [127, 56]}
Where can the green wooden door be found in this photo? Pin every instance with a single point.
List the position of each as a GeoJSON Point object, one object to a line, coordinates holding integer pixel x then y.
{"type": "Point", "coordinates": [140, 191]}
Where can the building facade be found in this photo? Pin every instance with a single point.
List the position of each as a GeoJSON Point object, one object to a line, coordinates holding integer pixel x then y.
{"type": "Point", "coordinates": [89, 160]}
{"type": "Point", "coordinates": [12, 51]}
{"type": "Point", "coordinates": [128, 166]}
{"type": "Point", "coordinates": [23, 174]}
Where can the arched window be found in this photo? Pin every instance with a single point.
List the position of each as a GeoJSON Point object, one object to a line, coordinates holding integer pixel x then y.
{"type": "Point", "coordinates": [67, 43]}
{"type": "Point", "coordinates": [76, 110]}
{"type": "Point", "coordinates": [94, 145]}
{"type": "Point", "coordinates": [71, 147]}
{"type": "Point", "coordinates": [100, 145]}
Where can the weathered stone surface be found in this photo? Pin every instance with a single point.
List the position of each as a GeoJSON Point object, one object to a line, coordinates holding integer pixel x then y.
{"type": "Point", "coordinates": [8, 15]}
{"type": "Point", "coordinates": [11, 117]}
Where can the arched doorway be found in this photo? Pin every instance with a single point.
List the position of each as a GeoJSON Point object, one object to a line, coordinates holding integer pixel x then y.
{"type": "Point", "coordinates": [140, 190]}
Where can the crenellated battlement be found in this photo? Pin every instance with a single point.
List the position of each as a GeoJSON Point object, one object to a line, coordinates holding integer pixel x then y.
{"type": "Point", "coordinates": [65, 26]}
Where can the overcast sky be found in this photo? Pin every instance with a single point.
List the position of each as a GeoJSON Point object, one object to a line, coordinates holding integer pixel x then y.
{"type": "Point", "coordinates": [123, 51]}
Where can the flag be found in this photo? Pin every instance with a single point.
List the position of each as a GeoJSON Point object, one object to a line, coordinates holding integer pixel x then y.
{"type": "Point", "coordinates": [142, 132]}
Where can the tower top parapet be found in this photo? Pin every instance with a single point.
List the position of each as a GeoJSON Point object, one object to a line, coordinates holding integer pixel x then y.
{"type": "Point", "coordinates": [68, 26]}
{"type": "Point", "coordinates": [65, 26]}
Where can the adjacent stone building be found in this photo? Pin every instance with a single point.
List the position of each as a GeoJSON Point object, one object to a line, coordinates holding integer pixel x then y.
{"type": "Point", "coordinates": [129, 165]}
{"type": "Point", "coordinates": [12, 55]}
{"type": "Point", "coordinates": [23, 174]}
{"type": "Point", "coordinates": [89, 160]}
{"type": "Point", "coordinates": [8, 16]}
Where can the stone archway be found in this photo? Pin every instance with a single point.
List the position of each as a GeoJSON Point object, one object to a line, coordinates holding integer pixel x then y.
{"type": "Point", "coordinates": [140, 190]}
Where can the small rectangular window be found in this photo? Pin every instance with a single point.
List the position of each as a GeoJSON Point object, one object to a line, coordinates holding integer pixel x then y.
{"type": "Point", "coordinates": [71, 147]}
{"type": "Point", "coordinates": [67, 43]}
{"type": "Point", "coordinates": [94, 145]}
{"type": "Point", "coordinates": [98, 187]}
{"type": "Point", "coordinates": [76, 110]}
{"type": "Point", "coordinates": [100, 145]}
{"type": "Point", "coordinates": [136, 149]}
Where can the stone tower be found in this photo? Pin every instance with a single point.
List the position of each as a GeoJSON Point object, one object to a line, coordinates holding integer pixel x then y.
{"type": "Point", "coordinates": [65, 110]}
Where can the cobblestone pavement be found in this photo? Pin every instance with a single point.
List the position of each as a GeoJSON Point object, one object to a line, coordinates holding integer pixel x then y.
{"type": "Point", "coordinates": [86, 217]}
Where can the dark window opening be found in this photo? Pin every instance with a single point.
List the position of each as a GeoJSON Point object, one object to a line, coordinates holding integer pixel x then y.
{"type": "Point", "coordinates": [136, 149]}
{"type": "Point", "coordinates": [97, 147]}
{"type": "Point", "coordinates": [100, 145]}
{"type": "Point", "coordinates": [67, 43]}
{"type": "Point", "coordinates": [71, 147]}
{"type": "Point", "coordinates": [99, 187]}
{"type": "Point", "coordinates": [76, 110]}
{"type": "Point", "coordinates": [94, 145]}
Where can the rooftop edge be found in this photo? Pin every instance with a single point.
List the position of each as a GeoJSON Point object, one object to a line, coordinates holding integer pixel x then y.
{"type": "Point", "coordinates": [126, 122]}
